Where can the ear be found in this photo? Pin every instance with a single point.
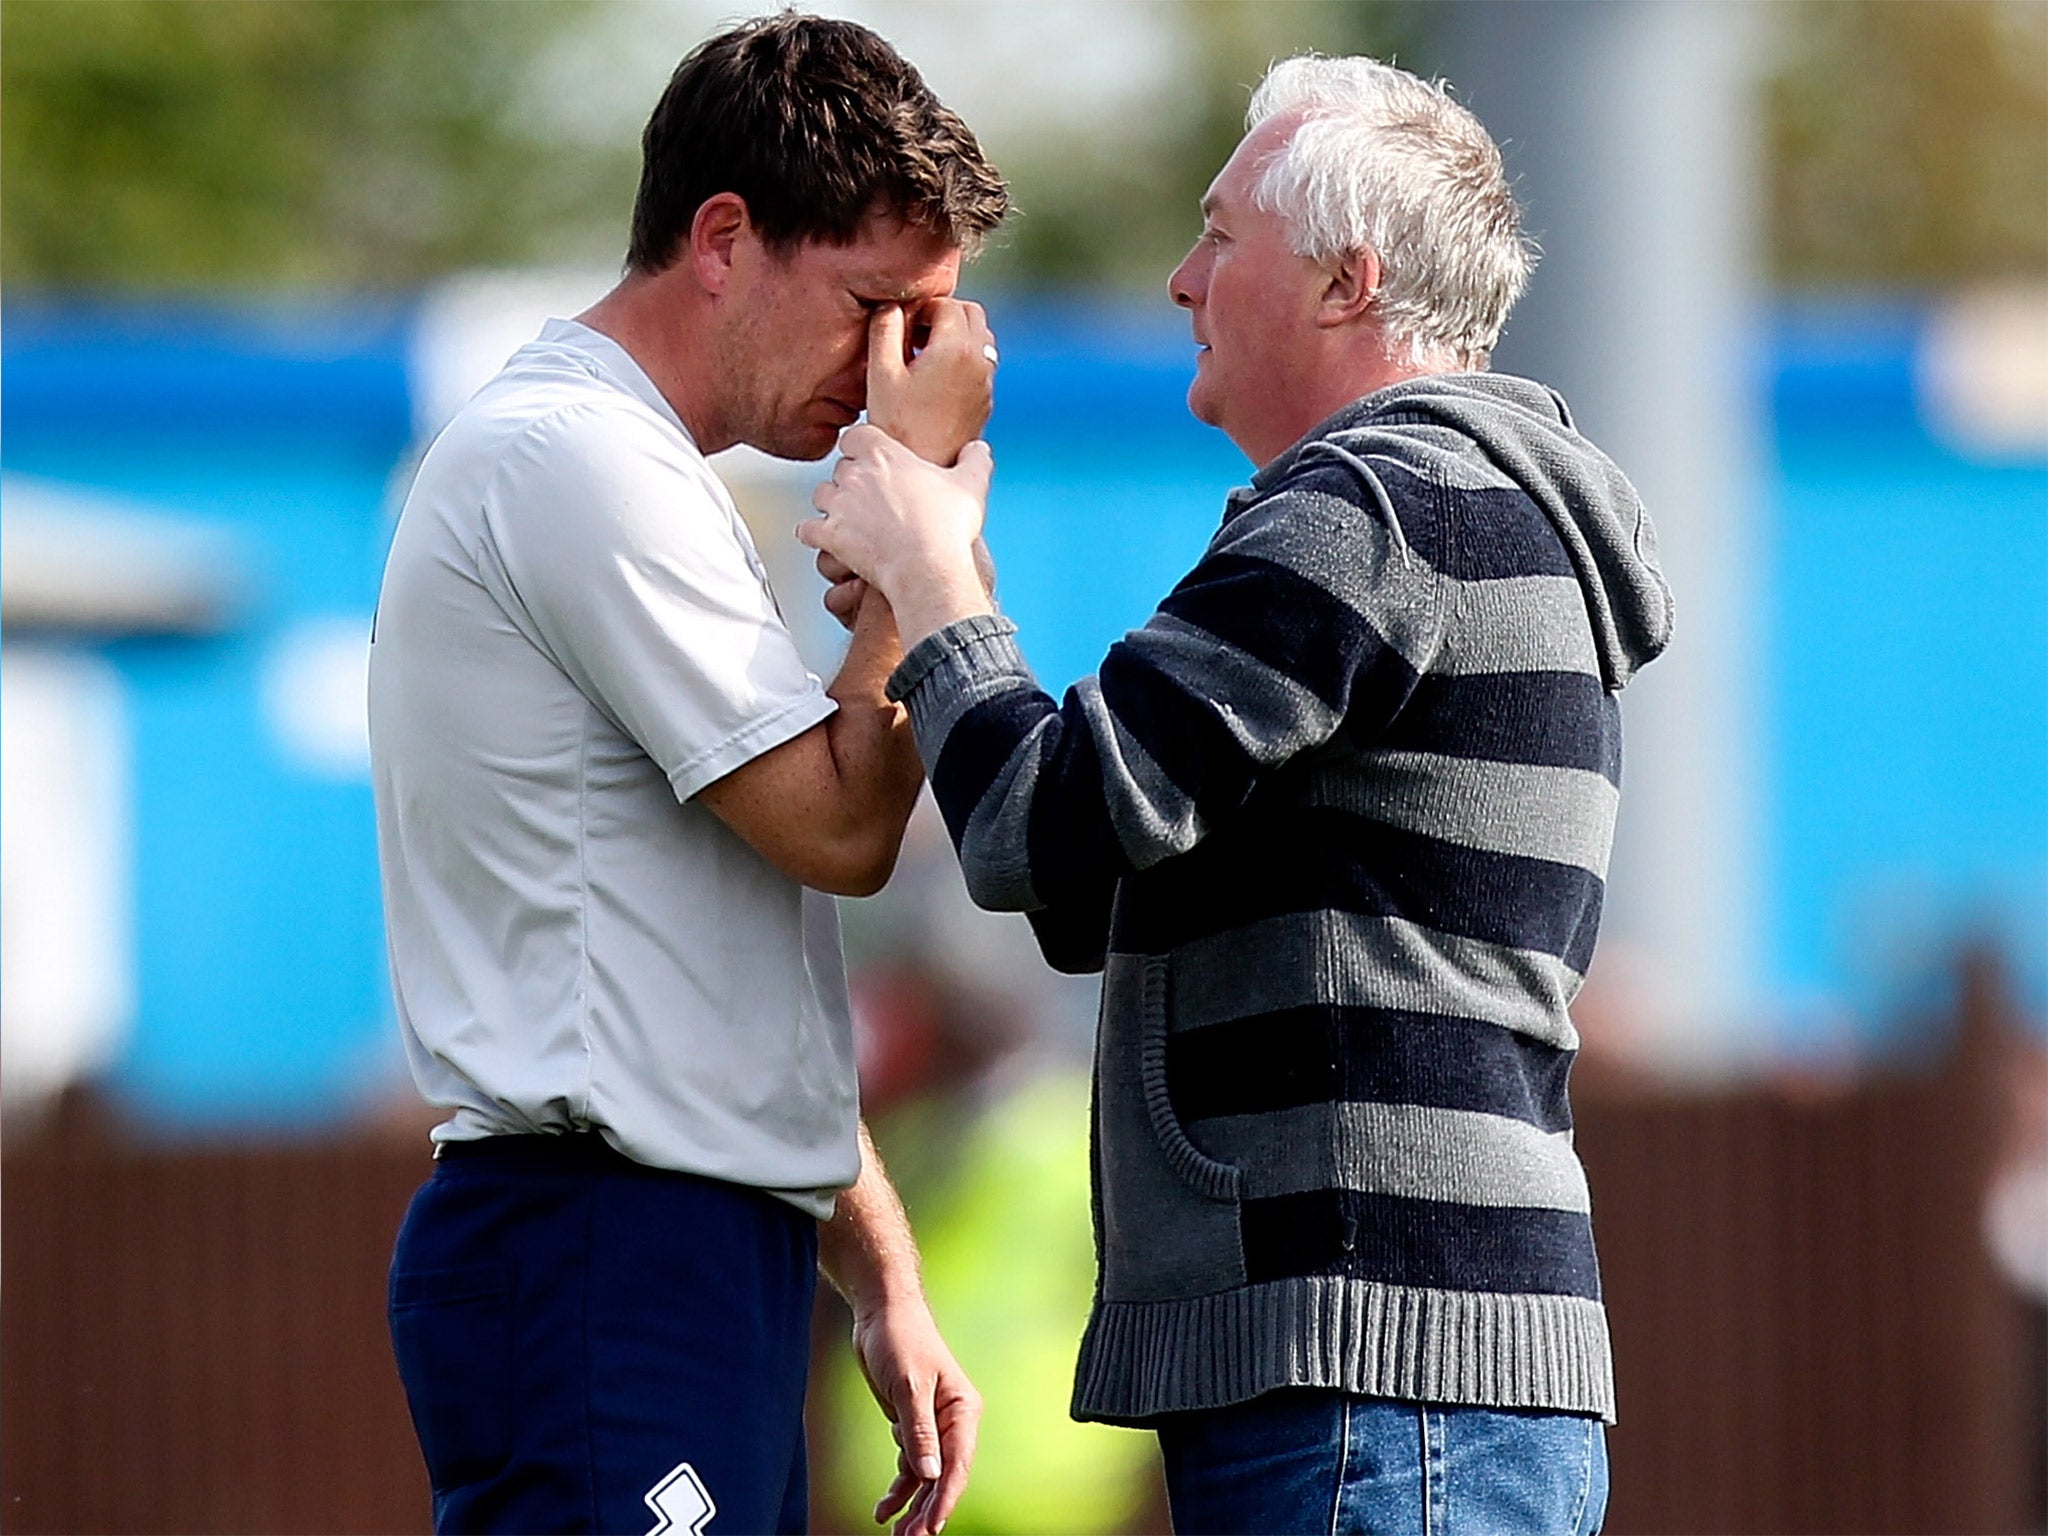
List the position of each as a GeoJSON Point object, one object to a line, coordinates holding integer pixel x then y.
{"type": "Point", "coordinates": [1351, 284]}
{"type": "Point", "coordinates": [721, 226]}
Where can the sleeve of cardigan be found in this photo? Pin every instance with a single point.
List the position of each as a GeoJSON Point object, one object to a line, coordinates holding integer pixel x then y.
{"type": "Point", "coordinates": [1306, 611]}
{"type": "Point", "coordinates": [1074, 936]}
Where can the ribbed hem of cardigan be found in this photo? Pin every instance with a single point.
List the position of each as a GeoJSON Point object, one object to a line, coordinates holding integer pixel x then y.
{"type": "Point", "coordinates": [1474, 1349]}
{"type": "Point", "coordinates": [985, 631]}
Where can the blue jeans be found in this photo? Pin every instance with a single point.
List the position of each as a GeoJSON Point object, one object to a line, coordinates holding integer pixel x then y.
{"type": "Point", "coordinates": [1305, 1460]}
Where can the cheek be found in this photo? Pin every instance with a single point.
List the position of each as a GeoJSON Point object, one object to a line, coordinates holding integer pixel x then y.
{"type": "Point", "coordinates": [815, 359]}
{"type": "Point", "coordinates": [1259, 321]}
{"type": "Point", "coordinates": [843, 377]}
{"type": "Point", "coordinates": [1232, 329]}
{"type": "Point", "coordinates": [842, 347]}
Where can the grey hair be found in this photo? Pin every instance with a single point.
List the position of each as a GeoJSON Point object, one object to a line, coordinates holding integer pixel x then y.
{"type": "Point", "coordinates": [1387, 162]}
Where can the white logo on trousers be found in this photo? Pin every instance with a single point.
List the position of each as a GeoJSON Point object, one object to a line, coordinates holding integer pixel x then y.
{"type": "Point", "coordinates": [682, 1502]}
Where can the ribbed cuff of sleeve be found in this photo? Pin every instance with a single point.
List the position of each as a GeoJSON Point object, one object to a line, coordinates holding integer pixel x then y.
{"type": "Point", "coordinates": [953, 669]}
{"type": "Point", "coordinates": [956, 654]}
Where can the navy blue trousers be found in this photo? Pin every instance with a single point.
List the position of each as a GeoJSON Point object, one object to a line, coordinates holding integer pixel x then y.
{"type": "Point", "coordinates": [588, 1344]}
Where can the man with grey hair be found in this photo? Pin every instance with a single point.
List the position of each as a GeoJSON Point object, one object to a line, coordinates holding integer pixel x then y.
{"type": "Point", "coordinates": [1334, 824]}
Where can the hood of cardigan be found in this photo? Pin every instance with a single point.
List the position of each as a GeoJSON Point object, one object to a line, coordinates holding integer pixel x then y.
{"type": "Point", "coordinates": [1525, 429]}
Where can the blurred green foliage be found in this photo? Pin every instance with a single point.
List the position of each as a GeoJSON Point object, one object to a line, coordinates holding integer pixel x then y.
{"type": "Point", "coordinates": [195, 144]}
{"type": "Point", "coordinates": [1119, 207]}
{"type": "Point", "coordinates": [1908, 141]}
{"type": "Point", "coordinates": [378, 143]}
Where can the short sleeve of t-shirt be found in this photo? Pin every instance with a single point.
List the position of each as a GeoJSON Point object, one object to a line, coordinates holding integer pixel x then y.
{"type": "Point", "coordinates": [612, 539]}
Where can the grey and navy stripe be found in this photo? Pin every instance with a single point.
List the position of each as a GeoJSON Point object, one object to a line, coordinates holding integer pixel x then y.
{"type": "Point", "coordinates": [1336, 824]}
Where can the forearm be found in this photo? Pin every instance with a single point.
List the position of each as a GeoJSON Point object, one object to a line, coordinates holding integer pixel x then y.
{"type": "Point", "coordinates": [1039, 763]}
{"type": "Point", "coordinates": [875, 765]}
{"type": "Point", "coordinates": [866, 1249]}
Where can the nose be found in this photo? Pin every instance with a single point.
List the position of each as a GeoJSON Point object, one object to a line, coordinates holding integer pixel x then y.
{"type": "Point", "coordinates": [1188, 280]}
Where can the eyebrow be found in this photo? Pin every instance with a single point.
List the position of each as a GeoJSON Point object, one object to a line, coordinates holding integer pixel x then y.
{"type": "Point", "coordinates": [878, 292]}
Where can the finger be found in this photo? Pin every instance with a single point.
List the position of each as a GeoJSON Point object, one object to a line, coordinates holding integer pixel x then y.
{"type": "Point", "coordinates": [813, 532]}
{"type": "Point", "coordinates": [918, 334]}
{"type": "Point", "coordinates": [898, 1496]}
{"type": "Point", "coordinates": [861, 442]}
{"type": "Point", "coordinates": [959, 1429]}
{"type": "Point", "coordinates": [976, 467]}
{"type": "Point", "coordinates": [832, 568]}
{"type": "Point", "coordinates": [948, 320]}
{"type": "Point", "coordinates": [885, 348]}
{"type": "Point", "coordinates": [947, 1490]}
{"type": "Point", "coordinates": [917, 1519]}
{"type": "Point", "coordinates": [912, 1518]}
{"type": "Point", "coordinates": [907, 1482]}
{"type": "Point", "coordinates": [843, 600]}
{"type": "Point", "coordinates": [979, 337]}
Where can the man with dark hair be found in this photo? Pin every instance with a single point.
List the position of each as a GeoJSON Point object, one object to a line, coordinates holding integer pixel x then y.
{"type": "Point", "coordinates": [611, 800]}
{"type": "Point", "coordinates": [835, 121]}
{"type": "Point", "coordinates": [1334, 825]}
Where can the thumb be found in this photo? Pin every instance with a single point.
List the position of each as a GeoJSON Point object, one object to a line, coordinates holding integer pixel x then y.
{"type": "Point", "coordinates": [917, 1427]}
{"type": "Point", "coordinates": [975, 467]}
{"type": "Point", "coordinates": [885, 348]}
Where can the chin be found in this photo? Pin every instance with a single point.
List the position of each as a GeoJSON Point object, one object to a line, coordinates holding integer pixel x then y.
{"type": "Point", "coordinates": [803, 444]}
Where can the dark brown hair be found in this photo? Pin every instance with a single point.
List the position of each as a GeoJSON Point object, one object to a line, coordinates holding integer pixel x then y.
{"type": "Point", "coordinates": [815, 124]}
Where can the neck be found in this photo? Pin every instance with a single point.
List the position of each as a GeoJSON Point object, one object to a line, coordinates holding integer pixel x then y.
{"type": "Point", "coordinates": [1351, 375]}
{"type": "Point", "coordinates": [665, 326]}
{"type": "Point", "coordinates": [1311, 406]}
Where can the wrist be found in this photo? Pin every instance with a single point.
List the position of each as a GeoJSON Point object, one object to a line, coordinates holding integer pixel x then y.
{"type": "Point", "coordinates": [929, 597]}
{"type": "Point", "coordinates": [945, 454]}
{"type": "Point", "coordinates": [936, 448]}
{"type": "Point", "coordinates": [880, 1294]}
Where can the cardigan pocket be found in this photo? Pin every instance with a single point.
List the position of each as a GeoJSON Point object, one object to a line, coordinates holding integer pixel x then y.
{"type": "Point", "coordinates": [1209, 1177]}
{"type": "Point", "coordinates": [1170, 1227]}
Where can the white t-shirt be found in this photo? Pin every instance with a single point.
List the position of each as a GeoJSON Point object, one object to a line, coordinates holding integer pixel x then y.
{"type": "Point", "coordinates": [575, 635]}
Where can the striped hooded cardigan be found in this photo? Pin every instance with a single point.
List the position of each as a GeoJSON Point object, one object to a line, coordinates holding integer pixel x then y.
{"type": "Point", "coordinates": [1334, 825]}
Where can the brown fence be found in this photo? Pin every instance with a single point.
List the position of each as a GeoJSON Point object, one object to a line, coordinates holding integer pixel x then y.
{"type": "Point", "coordinates": [193, 1340]}
{"type": "Point", "coordinates": [1808, 1335]}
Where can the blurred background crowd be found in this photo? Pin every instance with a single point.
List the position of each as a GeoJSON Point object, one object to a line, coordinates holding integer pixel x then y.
{"type": "Point", "coordinates": [1795, 278]}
